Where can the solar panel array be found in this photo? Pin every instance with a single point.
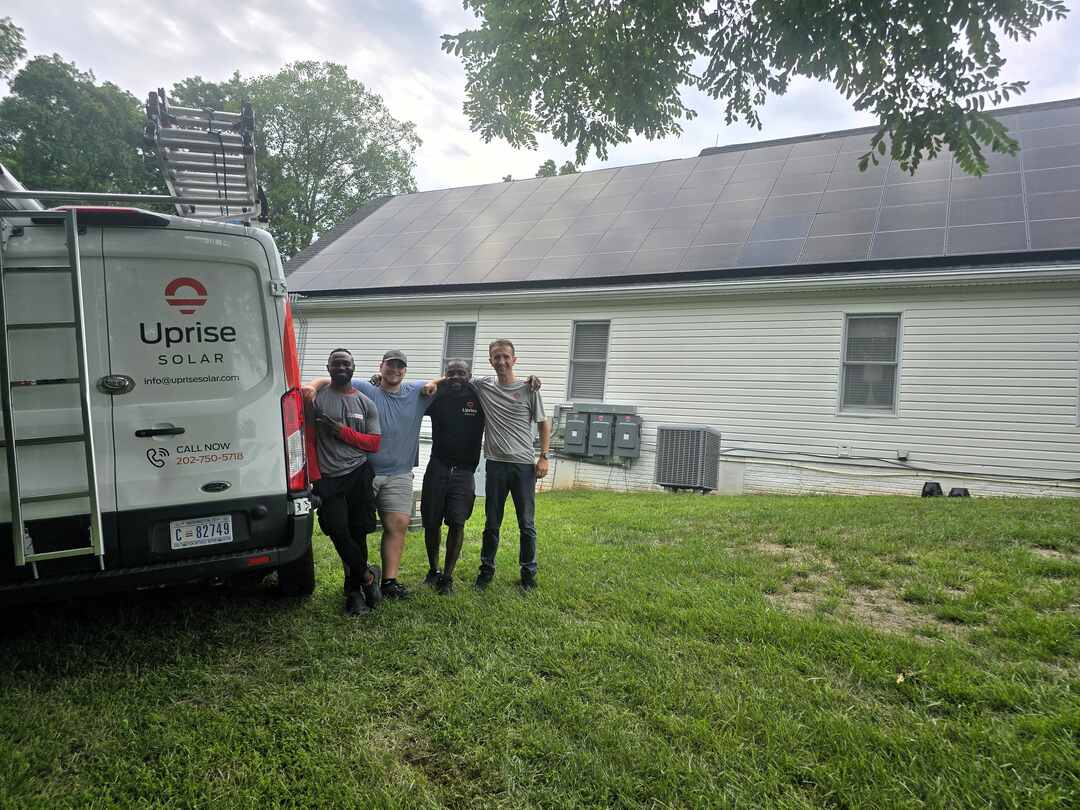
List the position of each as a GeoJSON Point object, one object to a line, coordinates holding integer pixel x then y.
{"type": "Point", "coordinates": [800, 202]}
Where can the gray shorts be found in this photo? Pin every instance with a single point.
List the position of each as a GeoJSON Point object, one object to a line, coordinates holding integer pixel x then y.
{"type": "Point", "coordinates": [394, 493]}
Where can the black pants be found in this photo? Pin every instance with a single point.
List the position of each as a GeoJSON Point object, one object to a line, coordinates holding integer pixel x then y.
{"type": "Point", "coordinates": [519, 482]}
{"type": "Point", "coordinates": [346, 514]}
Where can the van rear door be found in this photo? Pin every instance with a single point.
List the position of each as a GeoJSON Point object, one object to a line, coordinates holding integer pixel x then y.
{"type": "Point", "coordinates": [38, 291]}
{"type": "Point", "coordinates": [191, 321]}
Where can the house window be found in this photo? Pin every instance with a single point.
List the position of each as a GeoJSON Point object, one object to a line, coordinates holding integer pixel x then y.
{"type": "Point", "coordinates": [459, 343]}
{"type": "Point", "coordinates": [871, 353]}
{"type": "Point", "coordinates": [588, 359]}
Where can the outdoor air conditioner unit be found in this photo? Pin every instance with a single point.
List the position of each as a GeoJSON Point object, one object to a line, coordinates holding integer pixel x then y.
{"type": "Point", "coordinates": [687, 457]}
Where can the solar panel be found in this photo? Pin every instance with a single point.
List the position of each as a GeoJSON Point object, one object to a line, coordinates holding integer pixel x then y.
{"type": "Point", "coordinates": [796, 202]}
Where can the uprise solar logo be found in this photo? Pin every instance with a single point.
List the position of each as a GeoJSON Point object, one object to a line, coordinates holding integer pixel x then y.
{"type": "Point", "coordinates": [185, 294]}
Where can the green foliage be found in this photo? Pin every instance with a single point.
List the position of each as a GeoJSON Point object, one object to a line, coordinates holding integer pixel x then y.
{"type": "Point", "coordinates": [61, 129]}
{"type": "Point", "coordinates": [11, 46]}
{"type": "Point", "coordinates": [663, 662]}
{"type": "Point", "coordinates": [591, 73]}
{"type": "Point", "coordinates": [547, 168]}
{"type": "Point", "coordinates": [325, 144]}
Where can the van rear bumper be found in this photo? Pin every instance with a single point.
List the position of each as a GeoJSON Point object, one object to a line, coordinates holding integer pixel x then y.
{"type": "Point", "coordinates": [55, 588]}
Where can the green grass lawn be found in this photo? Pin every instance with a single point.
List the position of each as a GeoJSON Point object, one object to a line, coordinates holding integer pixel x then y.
{"type": "Point", "coordinates": [681, 652]}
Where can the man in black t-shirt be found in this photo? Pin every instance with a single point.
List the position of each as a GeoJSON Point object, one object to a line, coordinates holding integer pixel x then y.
{"type": "Point", "coordinates": [457, 427]}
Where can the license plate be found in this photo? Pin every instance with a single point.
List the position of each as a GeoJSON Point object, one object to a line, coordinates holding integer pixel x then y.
{"type": "Point", "coordinates": [200, 532]}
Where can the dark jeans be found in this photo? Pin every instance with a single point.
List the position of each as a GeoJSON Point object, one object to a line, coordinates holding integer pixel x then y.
{"type": "Point", "coordinates": [519, 482]}
{"type": "Point", "coordinates": [343, 516]}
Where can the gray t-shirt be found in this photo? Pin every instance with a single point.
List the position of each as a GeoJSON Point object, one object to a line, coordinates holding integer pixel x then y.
{"type": "Point", "coordinates": [352, 409]}
{"type": "Point", "coordinates": [511, 411]}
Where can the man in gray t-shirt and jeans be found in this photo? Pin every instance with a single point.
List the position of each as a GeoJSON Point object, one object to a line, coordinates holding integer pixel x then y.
{"type": "Point", "coordinates": [511, 407]}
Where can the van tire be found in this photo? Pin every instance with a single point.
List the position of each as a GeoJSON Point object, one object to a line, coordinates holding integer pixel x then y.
{"type": "Point", "coordinates": [298, 577]}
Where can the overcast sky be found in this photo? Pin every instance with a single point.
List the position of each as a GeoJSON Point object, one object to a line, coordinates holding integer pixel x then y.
{"type": "Point", "coordinates": [393, 47]}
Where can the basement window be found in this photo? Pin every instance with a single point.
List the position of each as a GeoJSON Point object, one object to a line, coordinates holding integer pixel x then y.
{"type": "Point", "coordinates": [871, 364]}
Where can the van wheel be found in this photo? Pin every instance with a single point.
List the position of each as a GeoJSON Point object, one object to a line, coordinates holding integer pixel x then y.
{"type": "Point", "coordinates": [298, 577]}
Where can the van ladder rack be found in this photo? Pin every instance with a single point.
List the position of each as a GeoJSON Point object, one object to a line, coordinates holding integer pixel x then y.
{"type": "Point", "coordinates": [20, 538]}
{"type": "Point", "coordinates": [207, 157]}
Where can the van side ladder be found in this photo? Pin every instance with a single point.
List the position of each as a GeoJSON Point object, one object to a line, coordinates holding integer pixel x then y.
{"type": "Point", "coordinates": [23, 543]}
{"type": "Point", "coordinates": [206, 155]}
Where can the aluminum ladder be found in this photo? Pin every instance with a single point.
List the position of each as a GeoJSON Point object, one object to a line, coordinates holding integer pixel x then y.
{"type": "Point", "coordinates": [21, 539]}
{"type": "Point", "coordinates": [207, 156]}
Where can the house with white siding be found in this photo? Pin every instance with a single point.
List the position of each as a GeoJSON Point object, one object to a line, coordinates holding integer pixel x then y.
{"type": "Point", "coordinates": [844, 331]}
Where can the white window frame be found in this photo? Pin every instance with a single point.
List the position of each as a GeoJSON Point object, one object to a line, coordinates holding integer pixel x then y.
{"type": "Point", "coordinates": [573, 347]}
{"type": "Point", "coordinates": [446, 342]}
{"type": "Point", "coordinates": [870, 412]}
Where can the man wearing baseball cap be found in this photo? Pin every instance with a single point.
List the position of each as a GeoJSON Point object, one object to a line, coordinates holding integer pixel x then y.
{"type": "Point", "coordinates": [401, 406]}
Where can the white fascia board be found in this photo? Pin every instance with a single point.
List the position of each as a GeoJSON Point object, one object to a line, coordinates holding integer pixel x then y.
{"type": "Point", "coordinates": [961, 276]}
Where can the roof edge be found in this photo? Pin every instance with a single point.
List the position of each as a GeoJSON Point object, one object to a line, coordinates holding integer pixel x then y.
{"type": "Point", "coordinates": [837, 133]}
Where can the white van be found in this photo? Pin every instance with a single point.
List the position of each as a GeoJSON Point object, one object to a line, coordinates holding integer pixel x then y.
{"type": "Point", "coordinates": [189, 397]}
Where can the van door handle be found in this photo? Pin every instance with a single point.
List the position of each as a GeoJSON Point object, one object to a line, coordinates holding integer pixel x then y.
{"type": "Point", "coordinates": [169, 431]}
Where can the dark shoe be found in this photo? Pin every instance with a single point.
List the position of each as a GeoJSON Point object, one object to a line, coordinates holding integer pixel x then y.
{"type": "Point", "coordinates": [356, 605]}
{"type": "Point", "coordinates": [392, 589]}
{"type": "Point", "coordinates": [432, 578]}
{"type": "Point", "coordinates": [445, 585]}
{"type": "Point", "coordinates": [484, 579]}
{"type": "Point", "coordinates": [528, 580]}
{"type": "Point", "coordinates": [372, 592]}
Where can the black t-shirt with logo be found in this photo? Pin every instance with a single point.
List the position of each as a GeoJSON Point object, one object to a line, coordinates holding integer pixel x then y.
{"type": "Point", "coordinates": [457, 428]}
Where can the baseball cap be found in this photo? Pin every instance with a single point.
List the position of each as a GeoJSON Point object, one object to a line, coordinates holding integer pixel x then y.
{"type": "Point", "coordinates": [395, 354]}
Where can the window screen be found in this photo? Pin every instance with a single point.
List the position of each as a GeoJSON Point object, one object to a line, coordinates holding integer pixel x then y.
{"type": "Point", "coordinates": [460, 340]}
{"type": "Point", "coordinates": [870, 363]}
{"type": "Point", "coordinates": [588, 359]}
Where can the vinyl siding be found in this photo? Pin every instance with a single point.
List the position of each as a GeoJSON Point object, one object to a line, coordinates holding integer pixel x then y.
{"type": "Point", "coordinates": [988, 379]}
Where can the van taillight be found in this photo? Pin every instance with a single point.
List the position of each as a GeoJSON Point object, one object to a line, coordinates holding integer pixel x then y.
{"type": "Point", "coordinates": [292, 421]}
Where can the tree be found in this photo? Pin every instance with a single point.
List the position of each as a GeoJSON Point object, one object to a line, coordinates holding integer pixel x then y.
{"type": "Point", "coordinates": [325, 144]}
{"type": "Point", "coordinates": [61, 129]}
{"type": "Point", "coordinates": [11, 46]}
{"type": "Point", "coordinates": [547, 168]}
{"type": "Point", "coordinates": [592, 73]}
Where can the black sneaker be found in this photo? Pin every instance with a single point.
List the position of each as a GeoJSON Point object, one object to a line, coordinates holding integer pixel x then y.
{"type": "Point", "coordinates": [372, 592]}
{"type": "Point", "coordinates": [432, 578]}
{"type": "Point", "coordinates": [445, 585]}
{"type": "Point", "coordinates": [528, 580]}
{"type": "Point", "coordinates": [484, 579]}
{"type": "Point", "coordinates": [356, 605]}
{"type": "Point", "coordinates": [392, 589]}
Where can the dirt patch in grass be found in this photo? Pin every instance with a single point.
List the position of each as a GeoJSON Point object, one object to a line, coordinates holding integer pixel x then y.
{"type": "Point", "coordinates": [777, 550]}
{"type": "Point", "coordinates": [1053, 554]}
{"type": "Point", "coordinates": [881, 609]}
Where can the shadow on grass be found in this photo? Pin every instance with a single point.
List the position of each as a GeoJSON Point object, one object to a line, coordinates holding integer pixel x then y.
{"type": "Point", "coordinates": [148, 628]}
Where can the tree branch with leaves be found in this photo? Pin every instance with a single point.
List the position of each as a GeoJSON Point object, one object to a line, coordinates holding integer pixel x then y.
{"type": "Point", "coordinates": [593, 73]}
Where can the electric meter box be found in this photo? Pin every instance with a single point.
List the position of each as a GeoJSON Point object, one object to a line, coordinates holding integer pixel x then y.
{"type": "Point", "coordinates": [627, 436]}
{"type": "Point", "coordinates": [600, 425]}
{"type": "Point", "coordinates": [576, 435]}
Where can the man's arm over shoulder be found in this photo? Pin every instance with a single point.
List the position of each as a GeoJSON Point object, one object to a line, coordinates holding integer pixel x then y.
{"type": "Point", "coordinates": [364, 387]}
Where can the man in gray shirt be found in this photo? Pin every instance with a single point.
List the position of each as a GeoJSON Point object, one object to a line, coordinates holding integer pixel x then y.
{"type": "Point", "coordinates": [347, 430]}
{"type": "Point", "coordinates": [511, 407]}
